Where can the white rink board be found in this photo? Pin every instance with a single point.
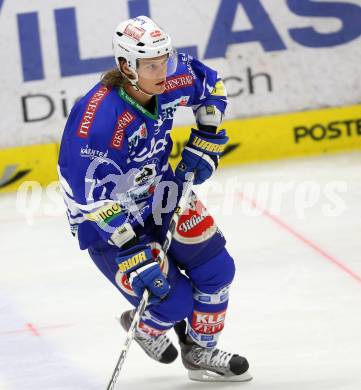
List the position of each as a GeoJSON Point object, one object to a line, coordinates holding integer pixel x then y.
{"type": "Point", "coordinates": [267, 71]}
{"type": "Point", "coordinates": [293, 313]}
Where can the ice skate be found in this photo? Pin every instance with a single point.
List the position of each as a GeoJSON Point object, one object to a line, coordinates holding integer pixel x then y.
{"type": "Point", "coordinates": [210, 364]}
{"type": "Point", "coordinates": [159, 348]}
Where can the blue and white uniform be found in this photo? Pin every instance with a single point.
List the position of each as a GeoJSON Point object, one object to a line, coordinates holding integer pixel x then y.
{"type": "Point", "coordinates": [113, 157]}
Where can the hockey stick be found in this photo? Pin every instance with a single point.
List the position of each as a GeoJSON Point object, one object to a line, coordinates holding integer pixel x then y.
{"type": "Point", "coordinates": [144, 301]}
{"type": "Point", "coordinates": [177, 213]}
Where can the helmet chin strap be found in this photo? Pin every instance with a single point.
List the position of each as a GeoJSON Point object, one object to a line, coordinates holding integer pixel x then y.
{"type": "Point", "coordinates": [136, 86]}
{"type": "Point", "coordinates": [134, 83]}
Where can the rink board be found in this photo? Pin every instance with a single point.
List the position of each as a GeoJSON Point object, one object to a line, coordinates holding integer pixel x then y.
{"type": "Point", "coordinates": [27, 163]}
{"type": "Point", "coordinates": [251, 140]}
{"type": "Point", "coordinates": [274, 56]}
{"type": "Point", "coordinates": [295, 134]}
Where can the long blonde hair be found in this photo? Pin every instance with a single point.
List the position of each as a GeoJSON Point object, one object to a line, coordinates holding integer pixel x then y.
{"type": "Point", "coordinates": [113, 78]}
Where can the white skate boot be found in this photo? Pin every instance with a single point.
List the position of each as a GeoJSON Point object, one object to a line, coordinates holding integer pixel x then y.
{"type": "Point", "coordinates": [159, 348]}
{"type": "Point", "coordinates": [210, 364]}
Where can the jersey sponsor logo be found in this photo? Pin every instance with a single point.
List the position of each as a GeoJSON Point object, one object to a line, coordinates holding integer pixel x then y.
{"type": "Point", "coordinates": [155, 148]}
{"type": "Point", "coordinates": [177, 82]}
{"type": "Point", "coordinates": [123, 122]}
{"type": "Point", "coordinates": [137, 194]}
{"type": "Point", "coordinates": [208, 323]}
{"type": "Point", "coordinates": [139, 134]}
{"type": "Point", "coordinates": [195, 225]}
{"type": "Point", "coordinates": [144, 181]}
{"type": "Point", "coordinates": [134, 32]}
{"type": "Point", "coordinates": [91, 109]}
{"type": "Point", "coordinates": [168, 110]}
{"type": "Point", "coordinates": [88, 152]}
{"type": "Point", "coordinates": [122, 281]}
{"type": "Point", "coordinates": [146, 175]}
{"type": "Point", "coordinates": [106, 213]}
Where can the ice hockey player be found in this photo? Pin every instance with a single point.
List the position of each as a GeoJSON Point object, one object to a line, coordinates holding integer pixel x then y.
{"type": "Point", "coordinates": [120, 193]}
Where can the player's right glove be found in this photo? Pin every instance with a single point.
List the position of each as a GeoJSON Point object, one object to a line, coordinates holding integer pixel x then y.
{"type": "Point", "coordinates": [201, 155]}
{"type": "Point", "coordinates": [143, 272]}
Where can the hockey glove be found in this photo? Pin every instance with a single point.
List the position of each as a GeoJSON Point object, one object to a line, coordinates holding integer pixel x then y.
{"type": "Point", "coordinates": [201, 155]}
{"type": "Point", "coordinates": [143, 272]}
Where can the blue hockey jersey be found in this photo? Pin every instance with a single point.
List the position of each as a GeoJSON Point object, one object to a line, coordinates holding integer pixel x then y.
{"type": "Point", "coordinates": [114, 152]}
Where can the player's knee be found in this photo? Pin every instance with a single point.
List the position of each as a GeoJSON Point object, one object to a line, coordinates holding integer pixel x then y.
{"type": "Point", "coordinates": [215, 274]}
{"type": "Point", "coordinates": [227, 264]}
{"type": "Point", "coordinates": [178, 304]}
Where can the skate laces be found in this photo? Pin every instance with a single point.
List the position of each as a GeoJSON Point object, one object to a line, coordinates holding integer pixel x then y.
{"type": "Point", "coordinates": [212, 357]}
{"type": "Point", "coordinates": [154, 344]}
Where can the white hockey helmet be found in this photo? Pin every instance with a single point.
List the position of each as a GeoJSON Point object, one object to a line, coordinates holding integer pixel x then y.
{"type": "Point", "coordinates": [139, 38]}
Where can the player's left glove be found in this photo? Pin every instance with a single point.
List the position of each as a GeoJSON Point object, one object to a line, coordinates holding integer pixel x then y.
{"type": "Point", "coordinates": [201, 155]}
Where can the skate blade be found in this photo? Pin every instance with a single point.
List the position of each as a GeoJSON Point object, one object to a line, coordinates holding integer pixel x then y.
{"type": "Point", "coordinates": [210, 376]}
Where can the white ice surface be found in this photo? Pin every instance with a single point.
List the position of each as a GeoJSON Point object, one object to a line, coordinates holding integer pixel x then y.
{"type": "Point", "coordinates": [295, 305]}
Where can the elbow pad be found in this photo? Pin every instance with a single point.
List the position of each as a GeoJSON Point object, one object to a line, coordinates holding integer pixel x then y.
{"type": "Point", "coordinates": [123, 236]}
{"type": "Point", "coordinates": [208, 118]}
